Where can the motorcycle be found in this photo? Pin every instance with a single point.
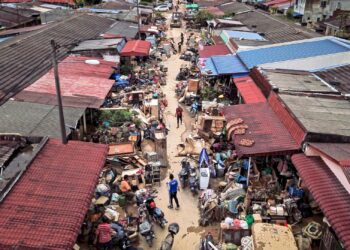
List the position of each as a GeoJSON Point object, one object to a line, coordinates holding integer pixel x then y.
{"type": "Point", "coordinates": [145, 226]}
{"type": "Point", "coordinates": [207, 243]}
{"type": "Point", "coordinates": [184, 172]}
{"type": "Point", "coordinates": [155, 213]}
{"type": "Point", "coordinates": [194, 109]}
{"type": "Point", "coordinates": [121, 239]}
{"type": "Point", "coordinates": [168, 242]}
{"type": "Point", "coordinates": [193, 181]}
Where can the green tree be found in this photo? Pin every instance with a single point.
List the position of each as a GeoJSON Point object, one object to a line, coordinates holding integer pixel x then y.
{"type": "Point", "coordinates": [203, 16]}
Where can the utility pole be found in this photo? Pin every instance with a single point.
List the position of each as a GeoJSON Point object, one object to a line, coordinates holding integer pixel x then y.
{"type": "Point", "coordinates": [138, 18]}
{"type": "Point", "coordinates": [58, 91]}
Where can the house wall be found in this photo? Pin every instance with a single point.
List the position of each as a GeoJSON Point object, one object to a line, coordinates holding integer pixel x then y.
{"type": "Point", "coordinates": [299, 6]}
{"type": "Point", "coordinates": [333, 166]}
{"type": "Point", "coordinates": [331, 30]}
{"type": "Point", "coordinates": [317, 10]}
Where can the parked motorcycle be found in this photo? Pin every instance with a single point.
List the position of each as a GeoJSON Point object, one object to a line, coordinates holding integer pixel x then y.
{"type": "Point", "coordinates": [194, 109]}
{"type": "Point", "coordinates": [194, 181]}
{"type": "Point", "coordinates": [207, 243]}
{"type": "Point", "coordinates": [121, 239]}
{"type": "Point", "coordinates": [145, 226]}
{"type": "Point", "coordinates": [168, 242]}
{"type": "Point", "coordinates": [184, 172]}
{"type": "Point", "coordinates": [155, 212]}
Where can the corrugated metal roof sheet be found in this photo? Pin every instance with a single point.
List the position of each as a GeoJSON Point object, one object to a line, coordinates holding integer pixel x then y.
{"type": "Point", "coordinates": [277, 2]}
{"type": "Point", "coordinates": [122, 29]}
{"type": "Point", "coordinates": [248, 90]}
{"type": "Point", "coordinates": [312, 64]}
{"type": "Point", "coordinates": [275, 31]}
{"type": "Point", "coordinates": [340, 152]}
{"type": "Point", "coordinates": [241, 35]}
{"type": "Point", "coordinates": [293, 50]}
{"type": "Point", "coordinates": [296, 81]}
{"type": "Point", "coordinates": [296, 130]}
{"type": "Point", "coordinates": [213, 50]}
{"type": "Point", "coordinates": [215, 11]}
{"type": "Point", "coordinates": [31, 119]}
{"type": "Point", "coordinates": [320, 115]}
{"type": "Point", "coordinates": [64, 2]}
{"type": "Point", "coordinates": [229, 65]}
{"type": "Point", "coordinates": [338, 77]}
{"type": "Point", "coordinates": [328, 192]}
{"type": "Point", "coordinates": [82, 85]}
{"type": "Point", "coordinates": [136, 48]}
{"type": "Point", "coordinates": [207, 67]}
{"type": "Point", "coordinates": [99, 44]}
{"type": "Point", "coordinates": [47, 206]}
{"type": "Point", "coordinates": [264, 127]}
{"type": "Point", "coordinates": [26, 58]}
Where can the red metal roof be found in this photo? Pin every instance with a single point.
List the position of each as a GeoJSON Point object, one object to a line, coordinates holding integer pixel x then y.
{"type": "Point", "coordinates": [217, 40]}
{"type": "Point", "coordinates": [276, 2]}
{"type": "Point", "coordinates": [82, 84]}
{"type": "Point", "coordinates": [295, 129]}
{"type": "Point", "coordinates": [264, 127]}
{"type": "Point", "coordinates": [47, 206]}
{"type": "Point", "coordinates": [65, 2]}
{"type": "Point", "coordinates": [214, 50]}
{"type": "Point", "coordinates": [248, 90]}
{"type": "Point", "coordinates": [15, 1]}
{"type": "Point", "coordinates": [136, 48]}
{"type": "Point", "coordinates": [339, 152]}
{"type": "Point", "coordinates": [215, 11]}
{"type": "Point", "coordinates": [328, 192]}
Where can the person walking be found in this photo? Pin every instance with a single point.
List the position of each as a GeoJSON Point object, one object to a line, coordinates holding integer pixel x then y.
{"type": "Point", "coordinates": [173, 187]}
{"type": "Point", "coordinates": [179, 46]}
{"type": "Point", "coordinates": [178, 114]}
{"type": "Point", "coordinates": [182, 38]}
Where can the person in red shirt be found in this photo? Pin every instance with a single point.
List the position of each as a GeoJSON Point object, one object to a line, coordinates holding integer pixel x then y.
{"type": "Point", "coordinates": [104, 234]}
{"type": "Point", "coordinates": [178, 115]}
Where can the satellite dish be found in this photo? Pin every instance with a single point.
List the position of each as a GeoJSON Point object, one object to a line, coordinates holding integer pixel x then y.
{"type": "Point", "coordinates": [92, 62]}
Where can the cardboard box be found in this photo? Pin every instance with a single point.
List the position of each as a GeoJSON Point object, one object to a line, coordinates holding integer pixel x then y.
{"type": "Point", "coordinates": [257, 218]}
{"type": "Point", "coordinates": [193, 85]}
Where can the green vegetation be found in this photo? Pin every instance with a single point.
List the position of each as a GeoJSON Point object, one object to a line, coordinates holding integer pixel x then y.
{"type": "Point", "coordinates": [228, 15]}
{"type": "Point", "coordinates": [203, 16]}
{"type": "Point", "coordinates": [115, 117]}
{"type": "Point", "coordinates": [290, 12]}
{"type": "Point", "coordinates": [208, 93]}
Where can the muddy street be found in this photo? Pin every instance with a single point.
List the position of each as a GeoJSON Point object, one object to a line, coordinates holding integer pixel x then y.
{"type": "Point", "coordinates": [187, 216]}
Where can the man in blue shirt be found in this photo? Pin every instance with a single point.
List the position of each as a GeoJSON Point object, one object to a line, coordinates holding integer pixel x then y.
{"type": "Point", "coordinates": [173, 187]}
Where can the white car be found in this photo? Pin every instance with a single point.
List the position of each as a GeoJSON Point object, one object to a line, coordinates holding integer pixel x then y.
{"type": "Point", "coordinates": [162, 8]}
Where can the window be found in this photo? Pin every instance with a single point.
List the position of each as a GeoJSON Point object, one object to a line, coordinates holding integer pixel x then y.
{"type": "Point", "coordinates": [339, 5]}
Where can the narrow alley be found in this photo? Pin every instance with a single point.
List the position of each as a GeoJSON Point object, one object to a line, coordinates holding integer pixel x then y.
{"type": "Point", "coordinates": [188, 214]}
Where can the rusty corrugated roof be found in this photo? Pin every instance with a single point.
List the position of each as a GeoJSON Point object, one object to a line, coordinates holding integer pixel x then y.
{"type": "Point", "coordinates": [82, 85]}
{"type": "Point", "coordinates": [26, 58]}
{"type": "Point", "coordinates": [264, 127]}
